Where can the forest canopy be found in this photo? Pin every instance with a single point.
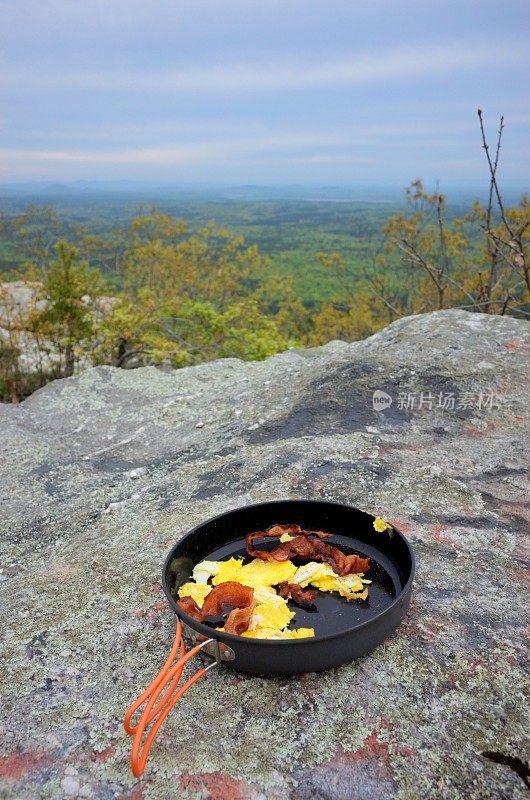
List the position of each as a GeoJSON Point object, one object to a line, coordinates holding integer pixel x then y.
{"type": "Point", "coordinates": [160, 291]}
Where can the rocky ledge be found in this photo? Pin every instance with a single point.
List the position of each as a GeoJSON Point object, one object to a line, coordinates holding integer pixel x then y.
{"type": "Point", "coordinates": [102, 472]}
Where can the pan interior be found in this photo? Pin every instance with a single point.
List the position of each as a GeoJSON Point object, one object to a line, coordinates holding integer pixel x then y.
{"type": "Point", "coordinates": [334, 614]}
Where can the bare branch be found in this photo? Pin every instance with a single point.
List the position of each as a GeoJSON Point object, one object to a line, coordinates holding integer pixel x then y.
{"type": "Point", "coordinates": [441, 228]}
{"type": "Point", "coordinates": [493, 167]}
{"type": "Point", "coordinates": [383, 299]}
{"type": "Point", "coordinates": [461, 288]}
{"type": "Point", "coordinates": [505, 304]}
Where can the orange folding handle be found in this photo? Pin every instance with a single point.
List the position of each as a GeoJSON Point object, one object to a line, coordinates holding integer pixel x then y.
{"type": "Point", "coordinates": [171, 674]}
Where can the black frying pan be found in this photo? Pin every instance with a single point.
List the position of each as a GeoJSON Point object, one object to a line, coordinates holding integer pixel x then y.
{"type": "Point", "coordinates": [343, 630]}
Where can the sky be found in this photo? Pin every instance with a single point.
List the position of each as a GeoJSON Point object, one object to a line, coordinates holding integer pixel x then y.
{"type": "Point", "coordinates": [274, 92]}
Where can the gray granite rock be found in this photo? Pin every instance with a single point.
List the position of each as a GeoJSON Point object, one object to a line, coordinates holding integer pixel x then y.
{"type": "Point", "coordinates": [102, 472]}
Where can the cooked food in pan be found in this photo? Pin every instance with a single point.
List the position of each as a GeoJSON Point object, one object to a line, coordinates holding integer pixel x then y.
{"type": "Point", "coordinates": [251, 599]}
{"type": "Point", "coordinates": [381, 526]}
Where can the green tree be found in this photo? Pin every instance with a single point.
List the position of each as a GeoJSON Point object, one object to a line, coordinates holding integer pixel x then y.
{"type": "Point", "coordinates": [67, 321]}
{"type": "Point", "coordinates": [189, 298]}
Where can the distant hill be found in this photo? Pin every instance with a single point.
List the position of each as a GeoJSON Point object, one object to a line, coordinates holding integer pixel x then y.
{"type": "Point", "coordinates": [457, 193]}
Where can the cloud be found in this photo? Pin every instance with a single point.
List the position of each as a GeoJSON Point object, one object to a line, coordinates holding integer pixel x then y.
{"type": "Point", "coordinates": [389, 65]}
{"type": "Point", "coordinates": [345, 158]}
{"type": "Point", "coordinates": [181, 155]}
{"type": "Point", "coordinates": [353, 143]}
{"type": "Point", "coordinates": [357, 130]}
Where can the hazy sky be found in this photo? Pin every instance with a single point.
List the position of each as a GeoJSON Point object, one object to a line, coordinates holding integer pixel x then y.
{"type": "Point", "coordinates": [271, 92]}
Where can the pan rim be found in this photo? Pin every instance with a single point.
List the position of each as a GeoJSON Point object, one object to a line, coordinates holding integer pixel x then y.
{"type": "Point", "coordinates": [231, 638]}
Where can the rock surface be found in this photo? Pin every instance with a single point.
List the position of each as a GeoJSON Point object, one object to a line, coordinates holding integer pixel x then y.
{"type": "Point", "coordinates": [101, 473]}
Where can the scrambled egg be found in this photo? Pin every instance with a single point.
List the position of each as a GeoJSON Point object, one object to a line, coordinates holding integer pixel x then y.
{"type": "Point", "coordinates": [271, 612]}
{"type": "Point", "coordinates": [381, 526]}
{"type": "Point", "coordinates": [266, 594]}
{"type": "Point", "coordinates": [197, 591]}
{"type": "Point", "coordinates": [272, 633]}
{"type": "Point", "coordinates": [255, 574]}
{"type": "Point", "coordinates": [322, 577]}
{"type": "Point", "coordinates": [204, 571]}
{"type": "Point", "coordinates": [272, 615]}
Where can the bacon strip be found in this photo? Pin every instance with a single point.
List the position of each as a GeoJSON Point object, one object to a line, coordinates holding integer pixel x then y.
{"type": "Point", "coordinates": [228, 595]}
{"type": "Point", "coordinates": [307, 546]}
{"type": "Point", "coordinates": [277, 531]}
{"type": "Point", "coordinates": [231, 594]}
{"type": "Point", "coordinates": [273, 531]}
{"type": "Point", "coordinates": [239, 619]}
{"type": "Point", "coordinates": [189, 605]}
{"type": "Point", "coordinates": [305, 598]}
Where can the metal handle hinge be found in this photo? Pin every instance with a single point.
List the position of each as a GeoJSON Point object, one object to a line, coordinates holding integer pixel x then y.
{"type": "Point", "coordinates": [213, 647]}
